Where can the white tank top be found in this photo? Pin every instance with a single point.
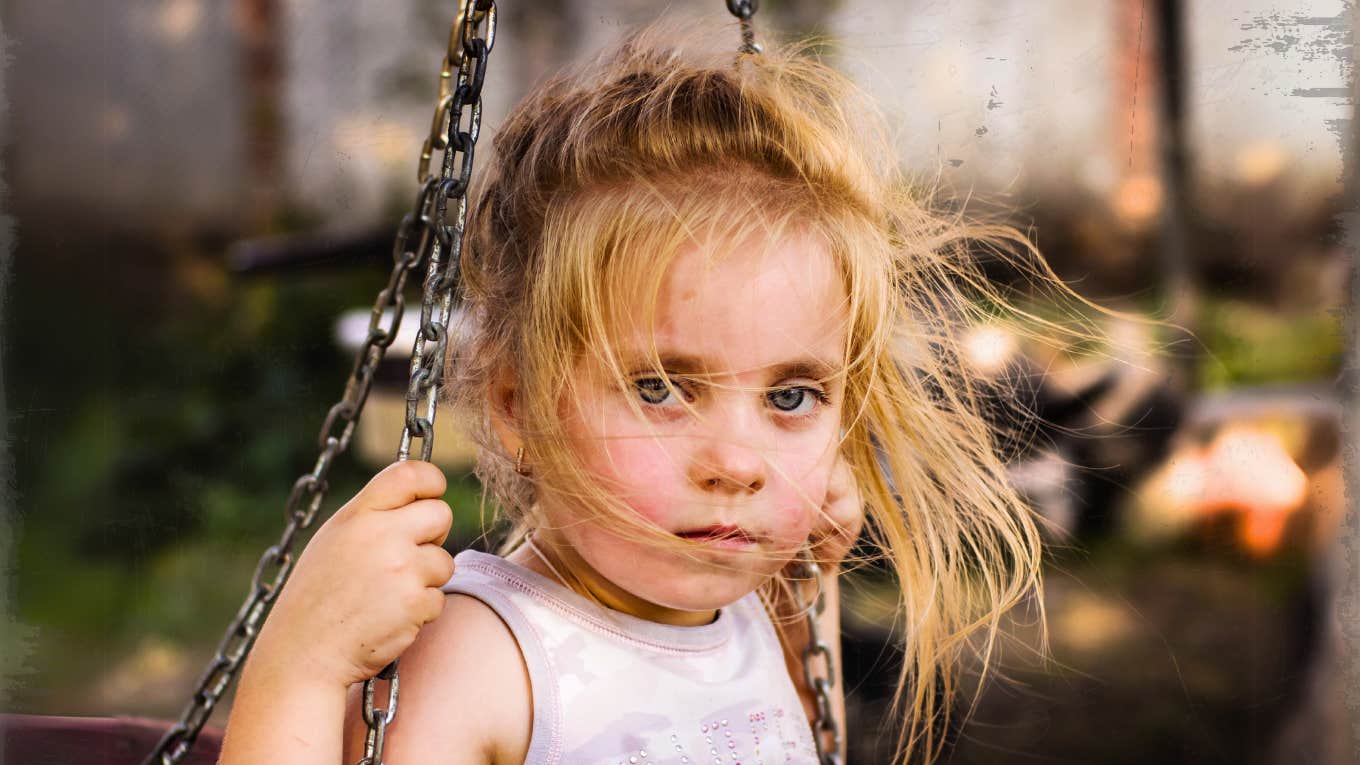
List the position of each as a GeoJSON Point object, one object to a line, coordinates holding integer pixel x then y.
{"type": "Point", "coordinates": [613, 689]}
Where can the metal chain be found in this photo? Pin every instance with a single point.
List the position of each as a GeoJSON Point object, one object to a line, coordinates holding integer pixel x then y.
{"type": "Point", "coordinates": [307, 494]}
{"type": "Point", "coordinates": [422, 239]}
{"type": "Point", "coordinates": [821, 682]}
{"type": "Point", "coordinates": [744, 10]}
{"type": "Point", "coordinates": [466, 58]}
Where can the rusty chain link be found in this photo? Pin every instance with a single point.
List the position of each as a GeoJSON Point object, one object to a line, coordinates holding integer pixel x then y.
{"type": "Point", "coordinates": [423, 239]}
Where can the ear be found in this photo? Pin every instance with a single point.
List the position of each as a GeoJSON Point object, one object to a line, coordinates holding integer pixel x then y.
{"type": "Point", "coordinates": [502, 405]}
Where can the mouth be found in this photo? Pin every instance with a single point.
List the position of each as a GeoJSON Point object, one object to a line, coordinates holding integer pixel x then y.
{"type": "Point", "coordinates": [721, 537]}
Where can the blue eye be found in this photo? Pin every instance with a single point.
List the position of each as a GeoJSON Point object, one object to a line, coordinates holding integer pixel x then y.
{"type": "Point", "coordinates": [795, 400]}
{"type": "Point", "coordinates": [653, 390]}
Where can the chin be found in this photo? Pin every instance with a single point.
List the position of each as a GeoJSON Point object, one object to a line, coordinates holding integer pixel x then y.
{"type": "Point", "coordinates": [704, 592]}
{"type": "Point", "coordinates": [709, 601]}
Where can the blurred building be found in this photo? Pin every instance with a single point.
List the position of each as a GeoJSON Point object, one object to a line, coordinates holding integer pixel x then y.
{"type": "Point", "coordinates": [148, 111]}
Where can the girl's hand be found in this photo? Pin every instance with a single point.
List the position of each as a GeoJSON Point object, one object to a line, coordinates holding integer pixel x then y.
{"type": "Point", "coordinates": [366, 583]}
{"type": "Point", "coordinates": [841, 518]}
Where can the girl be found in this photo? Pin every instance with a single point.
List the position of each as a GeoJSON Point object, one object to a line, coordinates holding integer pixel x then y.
{"type": "Point", "coordinates": [710, 331]}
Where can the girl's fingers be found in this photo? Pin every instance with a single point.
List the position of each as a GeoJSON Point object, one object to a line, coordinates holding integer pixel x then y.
{"type": "Point", "coordinates": [842, 485]}
{"type": "Point", "coordinates": [426, 520]}
{"type": "Point", "coordinates": [400, 484]}
{"type": "Point", "coordinates": [842, 514]}
{"type": "Point", "coordinates": [433, 605]}
{"type": "Point", "coordinates": [435, 565]}
{"type": "Point", "coordinates": [842, 507]}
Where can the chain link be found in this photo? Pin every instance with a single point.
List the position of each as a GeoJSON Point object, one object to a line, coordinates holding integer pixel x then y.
{"type": "Point", "coordinates": [744, 10]}
{"type": "Point", "coordinates": [820, 676]}
{"type": "Point", "coordinates": [423, 239]}
{"type": "Point", "coordinates": [470, 42]}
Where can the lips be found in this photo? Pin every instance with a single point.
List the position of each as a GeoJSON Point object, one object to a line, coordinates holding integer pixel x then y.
{"type": "Point", "coordinates": [722, 536]}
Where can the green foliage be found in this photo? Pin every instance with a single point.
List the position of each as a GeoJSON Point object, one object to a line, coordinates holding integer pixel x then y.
{"type": "Point", "coordinates": [1249, 344]}
{"type": "Point", "coordinates": [150, 482]}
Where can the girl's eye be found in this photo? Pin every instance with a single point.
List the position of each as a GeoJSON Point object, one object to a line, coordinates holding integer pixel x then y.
{"type": "Point", "coordinates": [796, 400]}
{"type": "Point", "coordinates": [654, 390]}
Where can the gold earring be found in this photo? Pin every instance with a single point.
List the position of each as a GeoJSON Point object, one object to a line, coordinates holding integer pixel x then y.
{"type": "Point", "coordinates": [520, 467]}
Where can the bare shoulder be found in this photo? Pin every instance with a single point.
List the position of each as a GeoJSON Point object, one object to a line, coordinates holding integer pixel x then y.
{"type": "Point", "coordinates": [464, 697]}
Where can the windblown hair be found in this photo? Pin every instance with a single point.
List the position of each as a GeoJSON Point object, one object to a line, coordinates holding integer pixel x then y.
{"type": "Point", "coordinates": [603, 174]}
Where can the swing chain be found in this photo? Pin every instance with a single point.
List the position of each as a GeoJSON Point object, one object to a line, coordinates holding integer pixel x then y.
{"type": "Point", "coordinates": [824, 681]}
{"type": "Point", "coordinates": [463, 44]}
{"type": "Point", "coordinates": [421, 238]}
{"type": "Point", "coordinates": [304, 499]}
{"type": "Point", "coordinates": [470, 42]}
{"type": "Point", "coordinates": [467, 56]}
{"type": "Point", "coordinates": [744, 10]}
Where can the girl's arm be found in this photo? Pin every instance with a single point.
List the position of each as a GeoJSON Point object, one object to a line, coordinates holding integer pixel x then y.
{"type": "Point", "coordinates": [357, 598]}
{"type": "Point", "coordinates": [464, 699]}
{"type": "Point", "coordinates": [284, 714]}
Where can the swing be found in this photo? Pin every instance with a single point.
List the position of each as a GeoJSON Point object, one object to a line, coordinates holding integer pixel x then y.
{"type": "Point", "coordinates": [423, 239]}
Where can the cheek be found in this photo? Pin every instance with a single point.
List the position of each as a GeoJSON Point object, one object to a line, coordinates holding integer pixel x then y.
{"type": "Point", "coordinates": [793, 524]}
{"type": "Point", "coordinates": [803, 490]}
{"type": "Point", "coordinates": [639, 471]}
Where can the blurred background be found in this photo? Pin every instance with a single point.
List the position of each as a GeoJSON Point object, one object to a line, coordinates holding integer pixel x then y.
{"type": "Point", "coordinates": [204, 196]}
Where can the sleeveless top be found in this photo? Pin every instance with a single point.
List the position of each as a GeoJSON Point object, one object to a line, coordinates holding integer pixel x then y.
{"type": "Point", "coordinates": [609, 688]}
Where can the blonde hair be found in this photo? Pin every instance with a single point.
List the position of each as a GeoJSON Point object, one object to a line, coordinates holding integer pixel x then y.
{"type": "Point", "coordinates": [604, 173]}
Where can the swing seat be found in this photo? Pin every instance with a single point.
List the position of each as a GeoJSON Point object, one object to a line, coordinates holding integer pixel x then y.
{"type": "Point", "coordinates": [44, 739]}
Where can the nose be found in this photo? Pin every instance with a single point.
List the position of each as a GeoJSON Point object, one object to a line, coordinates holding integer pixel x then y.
{"type": "Point", "coordinates": [729, 461]}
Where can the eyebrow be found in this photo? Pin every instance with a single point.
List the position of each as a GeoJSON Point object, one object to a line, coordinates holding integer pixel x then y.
{"type": "Point", "coordinates": [680, 363]}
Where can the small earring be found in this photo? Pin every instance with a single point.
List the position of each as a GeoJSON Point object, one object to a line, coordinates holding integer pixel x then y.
{"type": "Point", "coordinates": [520, 467]}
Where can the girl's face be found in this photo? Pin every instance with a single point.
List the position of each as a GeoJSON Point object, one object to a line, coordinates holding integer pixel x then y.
{"type": "Point", "coordinates": [753, 341]}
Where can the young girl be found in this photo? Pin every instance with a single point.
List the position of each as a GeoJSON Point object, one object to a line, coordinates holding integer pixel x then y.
{"type": "Point", "coordinates": [711, 329]}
